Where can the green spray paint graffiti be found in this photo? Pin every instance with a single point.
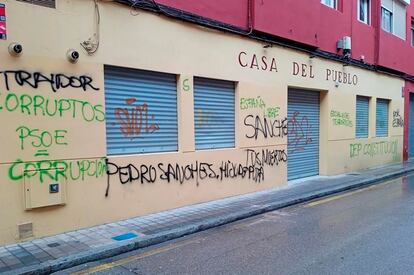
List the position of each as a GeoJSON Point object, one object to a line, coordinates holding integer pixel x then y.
{"type": "Point", "coordinates": [186, 86]}
{"type": "Point", "coordinates": [258, 103]}
{"type": "Point", "coordinates": [252, 103]}
{"type": "Point", "coordinates": [38, 105]}
{"type": "Point", "coordinates": [40, 140]}
{"type": "Point", "coordinates": [56, 170]}
{"type": "Point", "coordinates": [374, 149]}
{"type": "Point", "coordinates": [341, 119]}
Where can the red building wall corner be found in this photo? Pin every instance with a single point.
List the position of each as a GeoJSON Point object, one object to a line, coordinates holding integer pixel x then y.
{"type": "Point", "coordinates": [408, 89]}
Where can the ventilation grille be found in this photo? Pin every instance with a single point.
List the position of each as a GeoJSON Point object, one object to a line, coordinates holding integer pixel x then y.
{"type": "Point", "coordinates": [25, 230]}
{"type": "Point", "coordinates": [43, 3]}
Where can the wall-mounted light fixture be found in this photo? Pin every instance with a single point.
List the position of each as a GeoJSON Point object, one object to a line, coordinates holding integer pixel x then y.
{"type": "Point", "coordinates": [15, 49]}
{"type": "Point", "coordinates": [72, 55]}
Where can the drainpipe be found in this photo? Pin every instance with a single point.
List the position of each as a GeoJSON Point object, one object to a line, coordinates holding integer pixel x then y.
{"type": "Point", "coordinates": [250, 4]}
{"type": "Point", "coordinates": [406, 120]}
{"type": "Point", "coordinates": [377, 30]}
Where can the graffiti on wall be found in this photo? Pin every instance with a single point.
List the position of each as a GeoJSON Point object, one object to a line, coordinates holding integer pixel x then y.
{"type": "Point", "coordinates": [55, 81]}
{"type": "Point", "coordinates": [397, 120]}
{"type": "Point", "coordinates": [299, 131]}
{"type": "Point", "coordinates": [341, 119]}
{"type": "Point", "coordinates": [267, 124]}
{"type": "Point", "coordinates": [186, 85]}
{"type": "Point", "coordinates": [265, 127]}
{"type": "Point", "coordinates": [57, 170]}
{"type": "Point", "coordinates": [41, 141]}
{"type": "Point", "coordinates": [198, 171]}
{"type": "Point", "coordinates": [206, 117]}
{"type": "Point", "coordinates": [373, 149]}
{"type": "Point", "coordinates": [38, 105]}
{"type": "Point", "coordinates": [135, 120]}
{"type": "Point", "coordinates": [259, 103]}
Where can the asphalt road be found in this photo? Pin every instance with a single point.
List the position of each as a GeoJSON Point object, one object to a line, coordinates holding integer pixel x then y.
{"type": "Point", "coordinates": [367, 231]}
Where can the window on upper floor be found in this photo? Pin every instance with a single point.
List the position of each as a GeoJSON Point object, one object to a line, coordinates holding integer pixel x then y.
{"type": "Point", "coordinates": [386, 19]}
{"type": "Point", "coordinates": [330, 3]}
{"type": "Point", "coordinates": [412, 31]}
{"type": "Point", "coordinates": [364, 11]}
{"type": "Point", "coordinates": [393, 17]}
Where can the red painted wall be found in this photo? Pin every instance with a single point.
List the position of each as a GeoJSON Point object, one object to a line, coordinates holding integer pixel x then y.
{"type": "Point", "coordinates": [274, 17]}
{"type": "Point", "coordinates": [312, 23]}
{"type": "Point", "coordinates": [408, 89]}
{"type": "Point", "coordinates": [234, 12]}
{"type": "Point", "coordinates": [395, 52]}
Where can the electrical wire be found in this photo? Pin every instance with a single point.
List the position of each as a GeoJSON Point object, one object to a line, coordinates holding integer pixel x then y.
{"type": "Point", "coordinates": [91, 45]}
{"type": "Point", "coordinates": [207, 22]}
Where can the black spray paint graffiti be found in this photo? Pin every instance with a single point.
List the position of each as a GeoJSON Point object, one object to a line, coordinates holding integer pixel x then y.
{"type": "Point", "coordinates": [252, 169]}
{"type": "Point", "coordinates": [397, 120]}
{"type": "Point", "coordinates": [56, 81]}
{"type": "Point", "coordinates": [266, 127]}
{"type": "Point", "coordinates": [299, 132]}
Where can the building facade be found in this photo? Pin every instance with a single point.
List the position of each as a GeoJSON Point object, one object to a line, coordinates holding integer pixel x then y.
{"type": "Point", "coordinates": [115, 109]}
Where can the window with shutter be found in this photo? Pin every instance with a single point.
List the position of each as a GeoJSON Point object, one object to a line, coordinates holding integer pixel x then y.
{"type": "Point", "coordinates": [382, 117]}
{"type": "Point", "coordinates": [214, 108]}
{"type": "Point", "coordinates": [362, 117]}
{"type": "Point", "coordinates": [140, 110]}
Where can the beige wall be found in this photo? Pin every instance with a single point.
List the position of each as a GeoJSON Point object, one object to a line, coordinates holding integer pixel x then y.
{"type": "Point", "coordinates": [146, 41]}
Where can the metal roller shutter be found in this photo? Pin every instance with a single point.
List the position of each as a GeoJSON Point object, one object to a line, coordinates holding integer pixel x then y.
{"type": "Point", "coordinates": [141, 111]}
{"type": "Point", "coordinates": [362, 117]}
{"type": "Point", "coordinates": [382, 118]}
{"type": "Point", "coordinates": [303, 134]}
{"type": "Point", "coordinates": [411, 128]}
{"type": "Point", "coordinates": [214, 113]}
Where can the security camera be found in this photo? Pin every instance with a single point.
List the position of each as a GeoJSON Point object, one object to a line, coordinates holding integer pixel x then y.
{"type": "Point", "coordinates": [15, 49]}
{"type": "Point", "coordinates": [72, 55]}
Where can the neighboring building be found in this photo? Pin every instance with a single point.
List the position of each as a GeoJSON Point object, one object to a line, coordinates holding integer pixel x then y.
{"type": "Point", "coordinates": [159, 112]}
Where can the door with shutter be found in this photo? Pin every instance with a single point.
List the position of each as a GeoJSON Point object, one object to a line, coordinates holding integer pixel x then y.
{"type": "Point", "coordinates": [214, 116]}
{"type": "Point", "coordinates": [303, 134]}
{"type": "Point", "coordinates": [141, 111]}
{"type": "Point", "coordinates": [411, 128]}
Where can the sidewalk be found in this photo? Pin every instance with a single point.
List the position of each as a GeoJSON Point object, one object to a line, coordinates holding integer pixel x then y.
{"type": "Point", "coordinates": [50, 254]}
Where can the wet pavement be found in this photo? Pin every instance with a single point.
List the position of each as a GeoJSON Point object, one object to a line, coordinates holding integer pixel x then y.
{"type": "Point", "coordinates": [364, 231]}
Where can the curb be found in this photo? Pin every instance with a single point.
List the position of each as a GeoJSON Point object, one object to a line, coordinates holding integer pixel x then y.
{"type": "Point", "coordinates": [117, 249]}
